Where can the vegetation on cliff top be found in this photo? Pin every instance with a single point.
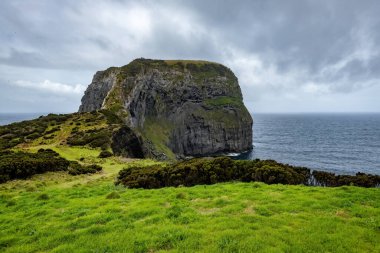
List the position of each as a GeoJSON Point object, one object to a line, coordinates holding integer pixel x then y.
{"type": "Point", "coordinates": [199, 69]}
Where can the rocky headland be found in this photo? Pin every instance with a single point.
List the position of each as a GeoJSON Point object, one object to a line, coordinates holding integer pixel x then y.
{"type": "Point", "coordinates": [172, 109]}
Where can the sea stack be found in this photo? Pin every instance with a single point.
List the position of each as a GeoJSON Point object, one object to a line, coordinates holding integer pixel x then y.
{"type": "Point", "coordinates": [173, 108]}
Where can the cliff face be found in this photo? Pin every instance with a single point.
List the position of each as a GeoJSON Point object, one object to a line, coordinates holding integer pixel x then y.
{"type": "Point", "coordinates": [183, 108]}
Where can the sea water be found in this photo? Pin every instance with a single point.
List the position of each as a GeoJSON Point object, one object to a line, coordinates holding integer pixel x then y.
{"type": "Point", "coordinates": [339, 143]}
{"type": "Point", "coordinates": [7, 118]}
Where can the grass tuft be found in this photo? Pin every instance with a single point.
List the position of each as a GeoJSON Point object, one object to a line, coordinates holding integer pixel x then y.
{"type": "Point", "coordinates": [181, 195]}
{"type": "Point", "coordinates": [10, 203]}
{"type": "Point", "coordinates": [113, 195]}
{"type": "Point", "coordinates": [43, 196]}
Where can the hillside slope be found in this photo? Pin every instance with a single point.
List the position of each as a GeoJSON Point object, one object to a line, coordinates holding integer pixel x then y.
{"type": "Point", "coordinates": [98, 130]}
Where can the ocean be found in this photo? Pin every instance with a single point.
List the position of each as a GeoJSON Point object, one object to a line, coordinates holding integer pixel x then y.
{"type": "Point", "coordinates": [339, 143]}
{"type": "Point", "coordinates": [7, 118]}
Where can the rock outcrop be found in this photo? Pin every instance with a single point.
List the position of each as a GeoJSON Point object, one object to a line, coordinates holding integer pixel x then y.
{"type": "Point", "coordinates": [174, 108]}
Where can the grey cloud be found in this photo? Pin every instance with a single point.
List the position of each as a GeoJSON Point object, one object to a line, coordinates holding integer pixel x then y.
{"type": "Point", "coordinates": [29, 59]}
{"type": "Point", "coordinates": [294, 34]}
{"type": "Point", "coordinates": [275, 47]}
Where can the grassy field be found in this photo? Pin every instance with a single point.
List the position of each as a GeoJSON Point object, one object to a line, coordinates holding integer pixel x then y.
{"type": "Point", "coordinates": [56, 212]}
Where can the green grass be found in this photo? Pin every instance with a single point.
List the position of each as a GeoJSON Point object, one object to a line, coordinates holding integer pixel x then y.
{"type": "Point", "coordinates": [158, 132]}
{"type": "Point", "coordinates": [56, 212]}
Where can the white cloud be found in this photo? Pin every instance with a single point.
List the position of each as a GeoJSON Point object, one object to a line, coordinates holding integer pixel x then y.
{"type": "Point", "coordinates": [257, 78]}
{"type": "Point", "coordinates": [51, 87]}
{"type": "Point", "coordinates": [184, 23]}
{"type": "Point", "coordinates": [121, 27]}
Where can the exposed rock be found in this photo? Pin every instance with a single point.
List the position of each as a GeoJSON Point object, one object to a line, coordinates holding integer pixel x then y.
{"type": "Point", "coordinates": [97, 91]}
{"type": "Point", "coordinates": [183, 108]}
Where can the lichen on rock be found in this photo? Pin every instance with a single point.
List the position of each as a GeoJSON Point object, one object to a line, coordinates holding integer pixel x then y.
{"type": "Point", "coordinates": [174, 108]}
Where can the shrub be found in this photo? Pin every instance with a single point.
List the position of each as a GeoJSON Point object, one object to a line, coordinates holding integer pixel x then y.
{"type": "Point", "coordinates": [211, 171]}
{"type": "Point", "coordinates": [76, 168]}
{"type": "Point", "coordinates": [94, 138]}
{"type": "Point", "coordinates": [105, 154]}
{"type": "Point", "coordinates": [54, 129]}
{"type": "Point", "coordinates": [113, 195]}
{"type": "Point", "coordinates": [21, 165]}
{"type": "Point", "coordinates": [180, 195]}
{"type": "Point", "coordinates": [10, 203]}
{"type": "Point", "coordinates": [49, 137]}
{"type": "Point", "coordinates": [111, 117]}
{"type": "Point", "coordinates": [143, 177]}
{"type": "Point", "coordinates": [272, 175]}
{"type": "Point", "coordinates": [19, 132]}
{"type": "Point", "coordinates": [43, 196]}
{"type": "Point", "coordinates": [33, 136]}
{"type": "Point", "coordinates": [223, 169]}
{"type": "Point", "coordinates": [360, 179]}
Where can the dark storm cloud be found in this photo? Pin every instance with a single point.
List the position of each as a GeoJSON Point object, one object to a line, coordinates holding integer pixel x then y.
{"type": "Point", "coordinates": [289, 48]}
{"type": "Point", "coordinates": [299, 34]}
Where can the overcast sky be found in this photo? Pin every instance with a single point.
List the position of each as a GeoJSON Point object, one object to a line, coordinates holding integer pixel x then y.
{"type": "Point", "coordinates": [289, 56]}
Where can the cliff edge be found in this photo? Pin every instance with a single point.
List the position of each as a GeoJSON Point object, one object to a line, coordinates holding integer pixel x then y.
{"type": "Point", "coordinates": [172, 108]}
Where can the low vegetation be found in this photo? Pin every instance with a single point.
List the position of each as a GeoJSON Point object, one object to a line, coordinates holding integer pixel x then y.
{"type": "Point", "coordinates": [224, 169]}
{"type": "Point", "coordinates": [224, 101]}
{"type": "Point", "coordinates": [211, 171]}
{"type": "Point", "coordinates": [76, 168]}
{"type": "Point", "coordinates": [93, 137]}
{"type": "Point", "coordinates": [360, 179]}
{"type": "Point", "coordinates": [200, 70]}
{"type": "Point", "coordinates": [27, 131]}
{"type": "Point", "coordinates": [22, 165]}
{"type": "Point", "coordinates": [77, 129]}
{"type": "Point", "coordinates": [105, 154]}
